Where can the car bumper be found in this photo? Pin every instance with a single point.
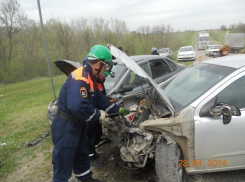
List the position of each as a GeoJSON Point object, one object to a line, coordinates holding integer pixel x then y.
{"type": "Point", "coordinates": [186, 58]}
{"type": "Point", "coordinates": [168, 56]}
{"type": "Point", "coordinates": [213, 53]}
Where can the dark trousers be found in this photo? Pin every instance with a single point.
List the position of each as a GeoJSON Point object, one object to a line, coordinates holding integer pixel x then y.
{"type": "Point", "coordinates": [70, 152]}
{"type": "Point", "coordinates": [94, 133]}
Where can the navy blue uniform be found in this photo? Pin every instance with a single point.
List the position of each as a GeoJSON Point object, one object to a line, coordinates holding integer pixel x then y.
{"type": "Point", "coordinates": [94, 131]}
{"type": "Point", "coordinates": [78, 98]}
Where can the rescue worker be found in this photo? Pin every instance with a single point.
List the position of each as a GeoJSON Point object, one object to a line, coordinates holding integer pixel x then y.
{"type": "Point", "coordinates": [79, 102]}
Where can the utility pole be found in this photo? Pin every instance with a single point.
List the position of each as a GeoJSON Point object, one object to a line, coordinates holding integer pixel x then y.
{"type": "Point", "coordinates": [45, 47]}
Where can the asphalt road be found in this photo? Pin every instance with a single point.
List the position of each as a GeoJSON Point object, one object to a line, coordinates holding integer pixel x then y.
{"type": "Point", "coordinates": [204, 57]}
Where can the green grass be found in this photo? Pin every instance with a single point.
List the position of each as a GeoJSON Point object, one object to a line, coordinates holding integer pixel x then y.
{"type": "Point", "coordinates": [23, 109]}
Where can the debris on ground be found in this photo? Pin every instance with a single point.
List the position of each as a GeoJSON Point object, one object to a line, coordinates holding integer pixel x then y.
{"type": "Point", "coordinates": [2, 144]}
{"type": "Point", "coordinates": [111, 158]}
{"type": "Point", "coordinates": [103, 142]}
{"type": "Point", "coordinates": [29, 144]}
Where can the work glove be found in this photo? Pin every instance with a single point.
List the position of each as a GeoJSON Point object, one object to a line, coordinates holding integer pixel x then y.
{"type": "Point", "coordinates": [103, 115]}
{"type": "Point", "coordinates": [105, 122]}
{"type": "Point", "coordinates": [123, 111]}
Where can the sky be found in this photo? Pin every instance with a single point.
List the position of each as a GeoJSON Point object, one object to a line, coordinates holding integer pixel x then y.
{"type": "Point", "coordinates": [180, 14]}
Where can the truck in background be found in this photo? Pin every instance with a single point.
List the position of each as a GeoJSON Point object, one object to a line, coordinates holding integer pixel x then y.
{"type": "Point", "coordinates": [203, 40]}
{"type": "Point", "coordinates": [235, 41]}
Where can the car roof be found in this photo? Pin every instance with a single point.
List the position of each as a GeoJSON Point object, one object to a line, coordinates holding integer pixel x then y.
{"type": "Point", "coordinates": [213, 45]}
{"type": "Point", "coordinates": [163, 48]}
{"type": "Point", "coordinates": [141, 58]}
{"type": "Point", "coordinates": [233, 61]}
{"type": "Point", "coordinates": [186, 46]}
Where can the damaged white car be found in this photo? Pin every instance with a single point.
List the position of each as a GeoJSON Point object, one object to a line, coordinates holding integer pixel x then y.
{"type": "Point", "coordinates": [192, 123]}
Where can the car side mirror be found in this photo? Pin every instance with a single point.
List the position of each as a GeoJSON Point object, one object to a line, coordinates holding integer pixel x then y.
{"type": "Point", "coordinates": [226, 110]}
{"type": "Point", "coordinates": [125, 88]}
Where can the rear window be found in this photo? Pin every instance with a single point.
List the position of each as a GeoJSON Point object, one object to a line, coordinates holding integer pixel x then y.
{"type": "Point", "coordinates": [185, 49]}
{"type": "Point", "coordinates": [163, 50]}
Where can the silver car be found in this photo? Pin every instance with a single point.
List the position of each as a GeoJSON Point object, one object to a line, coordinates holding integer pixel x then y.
{"type": "Point", "coordinates": [167, 52]}
{"type": "Point", "coordinates": [186, 53]}
{"type": "Point", "coordinates": [212, 50]}
{"type": "Point", "coordinates": [192, 123]}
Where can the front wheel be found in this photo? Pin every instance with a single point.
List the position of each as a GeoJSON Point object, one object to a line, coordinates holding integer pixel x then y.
{"type": "Point", "coordinates": [167, 162]}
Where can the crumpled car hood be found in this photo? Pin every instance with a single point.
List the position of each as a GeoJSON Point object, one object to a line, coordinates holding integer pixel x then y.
{"type": "Point", "coordinates": [130, 64]}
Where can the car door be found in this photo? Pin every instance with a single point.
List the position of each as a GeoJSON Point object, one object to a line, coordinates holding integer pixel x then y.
{"type": "Point", "coordinates": [161, 70]}
{"type": "Point", "coordinates": [220, 145]}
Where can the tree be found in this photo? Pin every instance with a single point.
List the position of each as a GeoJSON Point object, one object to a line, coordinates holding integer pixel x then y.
{"type": "Point", "coordinates": [232, 26]}
{"type": "Point", "coordinates": [63, 38]}
{"type": "Point", "coordinates": [144, 34]}
{"type": "Point", "coordinates": [12, 20]}
{"type": "Point", "coordinates": [240, 28]}
{"type": "Point", "coordinates": [223, 27]}
{"type": "Point", "coordinates": [158, 32]}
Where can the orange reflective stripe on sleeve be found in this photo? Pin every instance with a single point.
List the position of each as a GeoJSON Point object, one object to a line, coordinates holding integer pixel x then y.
{"type": "Point", "coordinates": [100, 87]}
{"type": "Point", "coordinates": [91, 83]}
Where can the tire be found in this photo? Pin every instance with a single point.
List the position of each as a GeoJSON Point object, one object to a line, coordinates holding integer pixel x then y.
{"type": "Point", "coordinates": [52, 110]}
{"type": "Point", "coordinates": [167, 161]}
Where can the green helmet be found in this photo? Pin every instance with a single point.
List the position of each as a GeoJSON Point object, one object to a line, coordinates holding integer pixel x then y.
{"type": "Point", "coordinates": [100, 52]}
{"type": "Point", "coordinates": [103, 54]}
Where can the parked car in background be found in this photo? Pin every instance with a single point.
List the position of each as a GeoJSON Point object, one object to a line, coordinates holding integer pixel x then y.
{"type": "Point", "coordinates": [125, 82]}
{"type": "Point", "coordinates": [192, 123]}
{"type": "Point", "coordinates": [186, 53]}
{"type": "Point", "coordinates": [167, 52]}
{"type": "Point", "coordinates": [212, 50]}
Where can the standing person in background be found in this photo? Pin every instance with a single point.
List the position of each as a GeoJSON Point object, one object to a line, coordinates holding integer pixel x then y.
{"type": "Point", "coordinates": [120, 48]}
{"type": "Point", "coordinates": [154, 51]}
{"type": "Point", "coordinates": [223, 51]}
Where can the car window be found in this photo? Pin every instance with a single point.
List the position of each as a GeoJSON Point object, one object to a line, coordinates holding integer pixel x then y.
{"type": "Point", "coordinates": [163, 50]}
{"type": "Point", "coordinates": [192, 83]}
{"type": "Point", "coordinates": [174, 67]}
{"type": "Point", "coordinates": [185, 49]}
{"type": "Point", "coordinates": [111, 81]}
{"type": "Point", "coordinates": [214, 47]}
{"type": "Point", "coordinates": [134, 80]}
{"type": "Point", "coordinates": [159, 68]}
{"type": "Point", "coordinates": [234, 94]}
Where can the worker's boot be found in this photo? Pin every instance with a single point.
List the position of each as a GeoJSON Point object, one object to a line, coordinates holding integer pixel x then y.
{"type": "Point", "coordinates": [92, 180]}
{"type": "Point", "coordinates": [95, 162]}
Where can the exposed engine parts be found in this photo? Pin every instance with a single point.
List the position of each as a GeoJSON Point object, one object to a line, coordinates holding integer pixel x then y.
{"type": "Point", "coordinates": [136, 146]}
